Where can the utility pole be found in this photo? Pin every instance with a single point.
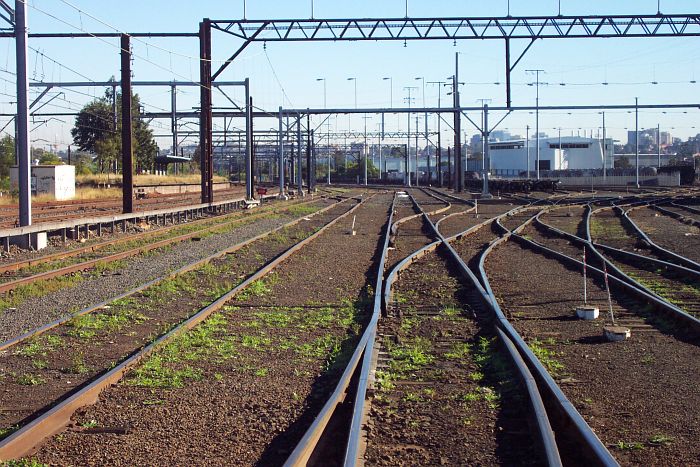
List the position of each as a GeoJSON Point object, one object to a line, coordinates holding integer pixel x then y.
{"type": "Point", "coordinates": [249, 163]}
{"type": "Point", "coordinates": [408, 146]}
{"type": "Point", "coordinates": [300, 160]}
{"type": "Point", "coordinates": [417, 173]}
{"type": "Point", "coordinates": [527, 149]}
{"type": "Point", "coordinates": [22, 121]}
{"type": "Point", "coordinates": [537, 120]}
{"type": "Point", "coordinates": [636, 140]}
{"type": "Point", "coordinates": [127, 149]}
{"type": "Point", "coordinates": [439, 143]}
{"type": "Point", "coordinates": [458, 129]}
{"type": "Point", "coordinates": [605, 151]}
{"type": "Point", "coordinates": [280, 154]}
{"type": "Point", "coordinates": [485, 188]}
{"type": "Point", "coordinates": [658, 146]}
{"type": "Point", "coordinates": [309, 139]}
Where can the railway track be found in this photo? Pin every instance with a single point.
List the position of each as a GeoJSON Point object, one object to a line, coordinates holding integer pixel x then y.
{"type": "Point", "coordinates": [128, 330]}
{"type": "Point", "coordinates": [544, 314]}
{"type": "Point", "coordinates": [25, 272]}
{"type": "Point", "coordinates": [63, 210]}
{"type": "Point", "coordinates": [263, 375]}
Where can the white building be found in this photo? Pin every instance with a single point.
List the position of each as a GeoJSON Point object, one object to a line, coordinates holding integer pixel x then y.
{"type": "Point", "coordinates": [55, 180]}
{"type": "Point", "coordinates": [567, 153]}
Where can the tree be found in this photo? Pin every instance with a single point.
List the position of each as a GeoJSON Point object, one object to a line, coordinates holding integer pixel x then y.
{"type": "Point", "coordinates": [623, 163]}
{"type": "Point", "coordinates": [49, 158]}
{"type": "Point", "coordinates": [7, 156]}
{"type": "Point", "coordinates": [95, 132]}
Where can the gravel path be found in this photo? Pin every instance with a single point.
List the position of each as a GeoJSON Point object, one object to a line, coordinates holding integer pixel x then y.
{"type": "Point", "coordinates": [137, 270]}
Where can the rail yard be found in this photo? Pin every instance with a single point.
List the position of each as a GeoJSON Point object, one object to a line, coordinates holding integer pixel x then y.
{"type": "Point", "coordinates": [329, 241]}
{"type": "Point", "coordinates": [363, 325]}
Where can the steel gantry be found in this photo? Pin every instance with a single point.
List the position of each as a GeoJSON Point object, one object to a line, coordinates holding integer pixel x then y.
{"type": "Point", "coordinates": [507, 29]}
{"type": "Point", "coordinates": [459, 28]}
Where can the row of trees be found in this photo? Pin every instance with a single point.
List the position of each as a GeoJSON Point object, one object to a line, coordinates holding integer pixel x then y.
{"type": "Point", "coordinates": [96, 132]}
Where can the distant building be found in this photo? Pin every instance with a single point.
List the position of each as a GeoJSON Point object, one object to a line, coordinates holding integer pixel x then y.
{"type": "Point", "coordinates": [567, 153]}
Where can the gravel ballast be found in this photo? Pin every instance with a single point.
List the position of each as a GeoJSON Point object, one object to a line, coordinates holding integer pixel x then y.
{"type": "Point", "coordinates": [92, 290]}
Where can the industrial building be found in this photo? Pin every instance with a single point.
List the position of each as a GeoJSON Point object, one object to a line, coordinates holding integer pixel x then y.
{"type": "Point", "coordinates": [509, 158]}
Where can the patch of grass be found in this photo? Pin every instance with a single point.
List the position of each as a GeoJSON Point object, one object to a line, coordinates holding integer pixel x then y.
{"type": "Point", "coordinates": [7, 431]}
{"type": "Point", "coordinates": [408, 323]}
{"type": "Point", "coordinates": [384, 381]}
{"type": "Point", "coordinates": [78, 365]}
{"type": "Point", "coordinates": [255, 342]}
{"type": "Point", "coordinates": [546, 356]}
{"type": "Point", "coordinates": [459, 351]}
{"type": "Point", "coordinates": [165, 369]}
{"type": "Point", "coordinates": [484, 393]}
{"type": "Point", "coordinates": [39, 364]}
{"type": "Point", "coordinates": [661, 440]}
{"type": "Point", "coordinates": [89, 424]}
{"type": "Point", "coordinates": [261, 372]}
{"type": "Point", "coordinates": [412, 397]}
{"type": "Point", "coordinates": [87, 326]}
{"type": "Point", "coordinates": [298, 211]}
{"type": "Point", "coordinates": [260, 287]}
{"type": "Point", "coordinates": [452, 312]}
{"type": "Point", "coordinates": [23, 463]}
{"type": "Point", "coordinates": [631, 446]}
{"type": "Point", "coordinates": [410, 356]}
{"type": "Point", "coordinates": [156, 374]}
{"type": "Point", "coordinates": [29, 379]}
{"type": "Point", "coordinates": [648, 359]}
{"type": "Point", "coordinates": [275, 318]}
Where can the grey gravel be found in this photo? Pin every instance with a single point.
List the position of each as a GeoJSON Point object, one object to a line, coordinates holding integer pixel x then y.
{"type": "Point", "coordinates": [37, 311]}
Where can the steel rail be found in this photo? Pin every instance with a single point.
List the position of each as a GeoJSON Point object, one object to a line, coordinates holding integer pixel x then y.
{"type": "Point", "coordinates": [692, 209]}
{"type": "Point", "coordinates": [656, 248]}
{"type": "Point", "coordinates": [623, 280]}
{"type": "Point", "coordinates": [616, 251]}
{"type": "Point", "coordinates": [676, 215]}
{"type": "Point", "coordinates": [658, 301]}
{"type": "Point", "coordinates": [545, 434]}
{"type": "Point", "coordinates": [308, 443]}
{"type": "Point", "coordinates": [91, 263]}
{"type": "Point", "coordinates": [591, 446]}
{"type": "Point", "coordinates": [182, 270]}
{"type": "Point", "coordinates": [24, 440]}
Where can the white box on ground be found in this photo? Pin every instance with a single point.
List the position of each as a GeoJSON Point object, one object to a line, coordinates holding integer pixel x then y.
{"type": "Point", "coordinates": [34, 241]}
{"type": "Point", "coordinates": [56, 180]}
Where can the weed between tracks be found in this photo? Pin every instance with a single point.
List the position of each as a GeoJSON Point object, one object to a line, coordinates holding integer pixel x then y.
{"type": "Point", "coordinates": [607, 230]}
{"type": "Point", "coordinates": [238, 340]}
{"type": "Point", "coordinates": [44, 287]}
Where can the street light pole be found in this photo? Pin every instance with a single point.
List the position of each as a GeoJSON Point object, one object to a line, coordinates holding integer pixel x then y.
{"type": "Point", "coordinates": [636, 140]}
{"type": "Point", "coordinates": [355, 81]}
{"type": "Point", "coordinates": [391, 90]}
{"type": "Point", "coordinates": [439, 126]}
{"type": "Point", "coordinates": [328, 146]}
{"type": "Point", "coordinates": [527, 149]}
{"type": "Point", "coordinates": [537, 121]}
{"type": "Point", "coordinates": [408, 138]}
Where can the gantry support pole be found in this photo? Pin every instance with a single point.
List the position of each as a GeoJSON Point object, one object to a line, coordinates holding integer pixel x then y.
{"type": "Point", "coordinates": [487, 154]}
{"type": "Point", "coordinates": [308, 153]}
{"type": "Point", "coordinates": [22, 121]}
{"type": "Point", "coordinates": [300, 160]}
{"type": "Point", "coordinates": [508, 70]}
{"type": "Point", "coordinates": [280, 153]}
{"type": "Point", "coordinates": [127, 140]}
{"type": "Point", "coordinates": [459, 176]}
{"type": "Point", "coordinates": [205, 117]}
{"type": "Point", "coordinates": [249, 155]}
{"type": "Point", "coordinates": [173, 121]}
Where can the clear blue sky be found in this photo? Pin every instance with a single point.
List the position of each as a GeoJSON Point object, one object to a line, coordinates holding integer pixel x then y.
{"type": "Point", "coordinates": [580, 64]}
